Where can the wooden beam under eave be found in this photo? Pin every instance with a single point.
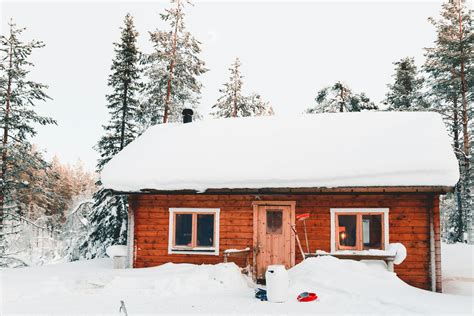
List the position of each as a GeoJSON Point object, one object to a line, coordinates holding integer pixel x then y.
{"type": "Point", "coordinates": [315, 190]}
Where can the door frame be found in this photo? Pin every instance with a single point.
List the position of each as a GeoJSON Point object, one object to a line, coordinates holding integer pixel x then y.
{"type": "Point", "coordinates": [256, 205]}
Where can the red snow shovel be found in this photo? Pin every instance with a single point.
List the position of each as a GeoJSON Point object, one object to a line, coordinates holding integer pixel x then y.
{"type": "Point", "coordinates": [293, 228]}
{"type": "Point", "coordinates": [303, 218]}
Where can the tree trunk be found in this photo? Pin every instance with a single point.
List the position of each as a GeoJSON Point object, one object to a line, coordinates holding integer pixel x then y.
{"type": "Point", "coordinates": [234, 109]}
{"type": "Point", "coordinates": [124, 114]}
{"type": "Point", "coordinates": [172, 62]}
{"type": "Point", "coordinates": [465, 119]}
{"type": "Point", "coordinates": [5, 142]}
{"type": "Point", "coordinates": [341, 106]}
{"type": "Point", "coordinates": [459, 213]}
{"type": "Point", "coordinates": [465, 170]}
{"type": "Point", "coordinates": [457, 189]}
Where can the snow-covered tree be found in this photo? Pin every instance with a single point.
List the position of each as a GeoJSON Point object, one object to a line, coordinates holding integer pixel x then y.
{"type": "Point", "coordinates": [76, 229]}
{"type": "Point", "coordinates": [233, 103]}
{"type": "Point", "coordinates": [405, 93]}
{"type": "Point", "coordinates": [172, 70]}
{"type": "Point", "coordinates": [340, 98]}
{"type": "Point", "coordinates": [449, 67]}
{"type": "Point", "coordinates": [18, 97]}
{"type": "Point", "coordinates": [45, 195]}
{"type": "Point", "coordinates": [123, 101]}
{"type": "Point", "coordinates": [82, 180]}
{"type": "Point", "coordinates": [46, 231]}
{"type": "Point", "coordinates": [109, 216]}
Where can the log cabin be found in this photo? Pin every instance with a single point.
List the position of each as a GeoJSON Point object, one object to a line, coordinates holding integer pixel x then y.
{"type": "Point", "coordinates": [200, 191]}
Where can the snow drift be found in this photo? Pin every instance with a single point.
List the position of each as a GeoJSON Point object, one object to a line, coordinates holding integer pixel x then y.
{"type": "Point", "coordinates": [322, 150]}
{"type": "Point", "coordinates": [93, 287]}
{"type": "Point", "coordinates": [116, 251]}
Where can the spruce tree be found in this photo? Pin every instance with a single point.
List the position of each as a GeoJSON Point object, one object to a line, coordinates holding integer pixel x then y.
{"type": "Point", "coordinates": [172, 70]}
{"type": "Point", "coordinates": [232, 102]}
{"type": "Point", "coordinates": [108, 220]}
{"type": "Point", "coordinates": [18, 97]}
{"type": "Point", "coordinates": [405, 93]}
{"type": "Point", "coordinates": [449, 66]}
{"type": "Point", "coordinates": [340, 98]}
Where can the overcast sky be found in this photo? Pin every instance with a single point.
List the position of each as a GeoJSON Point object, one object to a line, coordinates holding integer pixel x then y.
{"type": "Point", "coordinates": [288, 52]}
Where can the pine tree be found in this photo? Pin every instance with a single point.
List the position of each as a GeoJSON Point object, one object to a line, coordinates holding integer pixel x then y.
{"type": "Point", "coordinates": [172, 69]}
{"type": "Point", "coordinates": [405, 94]}
{"type": "Point", "coordinates": [122, 102]}
{"type": "Point", "coordinates": [232, 102]}
{"type": "Point", "coordinates": [18, 95]}
{"type": "Point", "coordinates": [340, 98]}
{"type": "Point", "coordinates": [449, 66]}
{"type": "Point", "coordinates": [109, 216]}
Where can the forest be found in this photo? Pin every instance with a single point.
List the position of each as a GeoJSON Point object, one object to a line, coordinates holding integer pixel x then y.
{"type": "Point", "coordinates": [54, 212]}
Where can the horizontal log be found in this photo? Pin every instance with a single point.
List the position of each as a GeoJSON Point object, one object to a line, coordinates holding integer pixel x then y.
{"type": "Point", "coordinates": [139, 233]}
{"type": "Point", "coordinates": [407, 237]}
{"type": "Point", "coordinates": [413, 278]}
{"type": "Point", "coordinates": [409, 229]}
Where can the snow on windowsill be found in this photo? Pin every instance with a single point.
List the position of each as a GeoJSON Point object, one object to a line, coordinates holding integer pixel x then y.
{"type": "Point", "coordinates": [228, 251]}
{"type": "Point", "coordinates": [369, 252]}
{"type": "Point", "coordinates": [396, 250]}
{"type": "Point", "coordinates": [194, 251]}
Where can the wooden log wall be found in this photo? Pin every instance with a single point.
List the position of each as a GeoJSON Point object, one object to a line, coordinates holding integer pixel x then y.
{"type": "Point", "coordinates": [408, 220]}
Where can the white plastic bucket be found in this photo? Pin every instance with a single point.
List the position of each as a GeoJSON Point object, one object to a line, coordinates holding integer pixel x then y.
{"type": "Point", "coordinates": [277, 283]}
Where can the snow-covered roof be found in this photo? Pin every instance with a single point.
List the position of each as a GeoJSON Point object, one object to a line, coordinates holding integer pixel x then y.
{"type": "Point", "coordinates": [369, 149]}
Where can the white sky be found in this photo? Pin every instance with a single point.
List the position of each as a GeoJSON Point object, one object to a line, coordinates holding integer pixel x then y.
{"type": "Point", "coordinates": [288, 50]}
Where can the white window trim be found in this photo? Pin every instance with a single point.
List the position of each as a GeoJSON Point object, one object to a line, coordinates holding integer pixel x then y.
{"type": "Point", "coordinates": [358, 210]}
{"type": "Point", "coordinates": [172, 250]}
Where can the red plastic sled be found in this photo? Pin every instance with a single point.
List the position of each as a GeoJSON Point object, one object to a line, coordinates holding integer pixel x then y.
{"type": "Point", "coordinates": [307, 297]}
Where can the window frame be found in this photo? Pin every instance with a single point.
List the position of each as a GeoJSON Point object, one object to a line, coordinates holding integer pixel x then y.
{"type": "Point", "coordinates": [194, 249]}
{"type": "Point", "coordinates": [359, 212]}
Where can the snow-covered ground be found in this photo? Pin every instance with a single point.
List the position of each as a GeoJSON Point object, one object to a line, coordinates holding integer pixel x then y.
{"type": "Point", "coordinates": [343, 286]}
{"type": "Point", "coordinates": [458, 269]}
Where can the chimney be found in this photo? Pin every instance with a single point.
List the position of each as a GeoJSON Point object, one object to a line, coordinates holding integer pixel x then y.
{"type": "Point", "coordinates": [187, 115]}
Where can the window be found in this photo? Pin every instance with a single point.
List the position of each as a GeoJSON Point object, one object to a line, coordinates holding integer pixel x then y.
{"type": "Point", "coordinates": [194, 231]}
{"type": "Point", "coordinates": [274, 221]}
{"type": "Point", "coordinates": [347, 229]}
{"type": "Point", "coordinates": [359, 229]}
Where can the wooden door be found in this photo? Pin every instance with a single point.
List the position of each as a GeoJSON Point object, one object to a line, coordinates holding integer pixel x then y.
{"type": "Point", "coordinates": [273, 237]}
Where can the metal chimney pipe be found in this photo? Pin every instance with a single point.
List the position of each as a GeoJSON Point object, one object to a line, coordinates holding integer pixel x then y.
{"type": "Point", "coordinates": [187, 115]}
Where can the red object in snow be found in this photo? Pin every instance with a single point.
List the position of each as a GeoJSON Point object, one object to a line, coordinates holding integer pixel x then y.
{"type": "Point", "coordinates": [307, 297]}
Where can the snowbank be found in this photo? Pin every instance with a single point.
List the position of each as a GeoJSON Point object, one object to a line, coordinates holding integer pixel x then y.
{"type": "Point", "coordinates": [458, 268]}
{"type": "Point", "coordinates": [324, 150]}
{"type": "Point", "coordinates": [93, 287]}
{"type": "Point", "coordinates": [116, 251]}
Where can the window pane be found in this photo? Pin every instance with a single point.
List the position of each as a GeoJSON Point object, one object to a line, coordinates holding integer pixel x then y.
{"type": "Point", "coordinates": [205, 230]}
{"type": "Point", "coordinates": [274, 221]}
{"type": "Point", "coordinates": [347, 230]}
{"type": "Point", "coordinates": [372, 231]}
{"type": "Point", "coordinates": [183, 229]}
{"type": "Point", "coordinates": [366, 230]}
